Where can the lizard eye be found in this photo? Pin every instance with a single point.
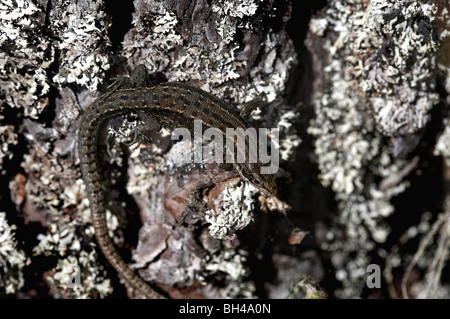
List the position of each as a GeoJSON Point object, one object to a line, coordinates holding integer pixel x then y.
{"type": "Point", "coordinates": [255, 181]}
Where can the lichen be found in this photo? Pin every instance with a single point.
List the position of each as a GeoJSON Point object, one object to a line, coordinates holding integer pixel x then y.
{"type": "Point", "coordinates": [180, 62]}
{"type": "Point", "coordinates": [7, 137]}
{"type": "Point", "coordinates": [27, 53]}
{"type": "Point", "coordinates": [236, 9]}
{"type": "Point", "coordinates": [12, 258]}
{"type": "Point", "coordinates": [161, 39]}
{"type": "Point", "coordinates": [381, 62]}
{"type": "Point", "coordinates": [24, 57]}
{"type": "Point", "coordinates": [233, 211]}
{"type": "Point", "coordinates": [308, 288]}
{"type": "Point", "coordinates": [231, 263]}
{"type": "Point", "coordinates": [83, 44]}
{"type": "Point", "coordinates": [67, 218]}
{"type": "Point", "coordinates": [77, 273]}
{"type": "Point", "coordinates": [41, 187]}
{"type": "Point", "coordinates": [318, 26]}
{"type": "Point", "coordinates": [403, 70]}
{"type": "Point", "coordinates": [270, 76]}
{"type": "Point", "coordinates": [392, 49]}
{"type": "Point", "coordinates": [443, 143]}
{"type": "Point", "coordinates": [79, 277]}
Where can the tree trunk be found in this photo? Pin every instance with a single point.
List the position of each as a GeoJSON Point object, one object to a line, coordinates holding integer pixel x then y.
{"type": "Point", "coordinates": [357, 91]}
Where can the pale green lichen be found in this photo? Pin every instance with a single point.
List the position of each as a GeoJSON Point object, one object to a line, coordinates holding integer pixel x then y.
{"type": "Point", "coordinates": [396, 85]}
{"type": "Point", "coordinates": [318, 26]}
{"type": "Point", "coordinates": [233, 211]}
{"type": "Point", "coordinates": [307, 288]}
{"type": "Point", "coordinates": [12, 259]}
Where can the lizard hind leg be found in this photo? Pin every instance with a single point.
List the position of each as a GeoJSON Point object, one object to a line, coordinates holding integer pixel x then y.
{"type": "Point", "coordinates": [249, 107]}
{"type": "Point", "coordinates": [139, 77]}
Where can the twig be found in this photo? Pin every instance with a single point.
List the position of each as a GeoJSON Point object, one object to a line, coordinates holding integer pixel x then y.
{"type": "Point", "coordinates": [423, 244]}
{"type": "Point", "coordinates": [441, 255]}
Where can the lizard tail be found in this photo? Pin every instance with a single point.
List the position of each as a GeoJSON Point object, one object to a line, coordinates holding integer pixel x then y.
{"type": "Point", "coordinates": [106, 245]}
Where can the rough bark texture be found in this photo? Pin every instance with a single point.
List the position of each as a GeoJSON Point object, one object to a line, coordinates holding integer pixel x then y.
{"type": "Point", "coordinates": [358, 91]}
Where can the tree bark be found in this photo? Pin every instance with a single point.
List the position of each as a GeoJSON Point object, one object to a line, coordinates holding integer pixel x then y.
{"type": "Point", "coordinates": [358, 91]}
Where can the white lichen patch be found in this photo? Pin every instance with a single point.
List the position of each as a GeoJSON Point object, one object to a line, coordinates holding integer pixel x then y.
{"type": "Point", "coordinates": [79, 277]}
{"type": "Point", "coordinates": [77, 273]}
{"type": "Point", "coordinates": [318, 26]}
{"type": "Point", "coordinates": [283, 130]}
{"type": "Point", "coordinates": [233, 211]}
{"type": "Point", "coordinates": [15, 17]}
{"type": "Point", "coordinates": [399, 77]}
{"type": "Point", "coordinates": [236, 9]}
{"type": "Point", "coordinates": [284, 136]}
{"type": "Point", "coordinates": [83, 56]}
{"type": "Point", "coordinates": [44, 191]}
{"type": "Point", "coordinates": [7, 137]}
{"type": "Point", "coordinates": [28, 45]}
{"type": "Point", "coordinates": [12, 259]}
{"type": "Point", "coordinates": [224, 66]}
{"type": "Point", "coordinates": [269, 78]}
{"type": "Point", "coordinates": [60, 238]}
{"type": "Point", "coordinates": [341, 146]}
{"type": "Point", "coordinates": [358, 212]}
{"type": "Point", "coordinates": [159, 41]}
{"type": "Point", "coordinates": [24, 57]}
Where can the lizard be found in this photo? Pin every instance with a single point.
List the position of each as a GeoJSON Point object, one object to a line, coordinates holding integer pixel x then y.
{"type": "Point", "coordinates": [171, 104]}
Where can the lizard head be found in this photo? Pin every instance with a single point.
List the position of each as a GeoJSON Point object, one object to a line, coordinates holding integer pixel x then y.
{"type": "Point", "coordinates": [264, 182]}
